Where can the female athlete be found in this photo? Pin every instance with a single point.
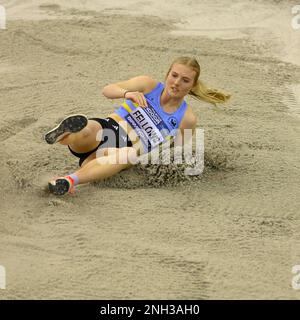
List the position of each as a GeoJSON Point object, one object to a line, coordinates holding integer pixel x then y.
{"type": "Point", "coordinates": [151, 113]}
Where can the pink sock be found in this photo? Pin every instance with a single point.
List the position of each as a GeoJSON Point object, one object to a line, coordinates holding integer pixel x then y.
{"type": "Point", "coordinates": [73, 178]}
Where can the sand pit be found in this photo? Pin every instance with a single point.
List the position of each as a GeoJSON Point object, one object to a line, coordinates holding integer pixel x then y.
{"type": "Point", "coordinates": [150, 232]}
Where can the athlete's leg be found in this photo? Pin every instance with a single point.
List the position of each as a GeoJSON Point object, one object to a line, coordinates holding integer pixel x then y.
{"type": "Point", "coordinates": [84, 140]}
{"type": "Point", "coordinates": [76, 131]}
{"type": "Point", "coordinates": [113, 161]}
{"type": "Point", "coordinates": [96, 169]}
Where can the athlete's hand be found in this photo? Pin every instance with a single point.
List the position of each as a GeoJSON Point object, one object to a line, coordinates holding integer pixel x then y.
{"type": "Point", "coordinates": [137, 97]}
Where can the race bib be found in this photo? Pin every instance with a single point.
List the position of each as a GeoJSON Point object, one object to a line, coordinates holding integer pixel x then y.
{"type": "Point", "coordinates": [148, 125]}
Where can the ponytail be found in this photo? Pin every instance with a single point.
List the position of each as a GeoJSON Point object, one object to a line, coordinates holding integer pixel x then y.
{"type": "Point", "coordinates": [201, 92]}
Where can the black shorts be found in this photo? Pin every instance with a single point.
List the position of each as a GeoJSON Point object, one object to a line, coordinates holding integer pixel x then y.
{"type": "Point", "coordinates": [119, 139]}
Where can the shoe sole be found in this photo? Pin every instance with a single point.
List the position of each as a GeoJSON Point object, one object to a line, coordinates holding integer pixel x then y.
{"type": "Point", "coordinates": [70, 124]}
{"type": "Point", "coordinates": [59, 187]}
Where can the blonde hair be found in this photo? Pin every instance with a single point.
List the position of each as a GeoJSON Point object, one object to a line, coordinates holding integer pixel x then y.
{"type": "Point", "coordinates": [200, 91]}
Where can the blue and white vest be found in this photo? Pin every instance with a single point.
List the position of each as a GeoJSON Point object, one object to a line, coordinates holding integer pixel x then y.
{"type": "Point", "coordinates": [152, 124]}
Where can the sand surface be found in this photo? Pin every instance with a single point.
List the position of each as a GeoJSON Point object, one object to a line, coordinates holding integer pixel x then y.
{"type": "Point", "coordinates": [150, 232]}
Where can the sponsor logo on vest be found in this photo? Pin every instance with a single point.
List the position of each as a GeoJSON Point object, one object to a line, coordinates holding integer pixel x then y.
{"type": "Point", "coordinates": [155, 118]}
{"type": "Point", "coordinates": [173, 122]}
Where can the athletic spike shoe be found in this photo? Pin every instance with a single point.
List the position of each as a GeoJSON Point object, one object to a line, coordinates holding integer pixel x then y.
{"type": "Point", "coordinates": [69, 125]}
{"type": "Point", "coordinates": [60, 186]}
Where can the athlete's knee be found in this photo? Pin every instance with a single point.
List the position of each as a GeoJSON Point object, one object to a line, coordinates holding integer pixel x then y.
{"type": "Point", "coordinates": [84, 133]}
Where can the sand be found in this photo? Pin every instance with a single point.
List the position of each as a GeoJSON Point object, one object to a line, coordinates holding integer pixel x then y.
{"type": "Point", "coordinates": [151, 232]}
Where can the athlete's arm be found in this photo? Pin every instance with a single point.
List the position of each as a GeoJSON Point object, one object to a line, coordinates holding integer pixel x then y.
{"type": "Point", "coordinates": [186, 129]}
{"type": "Point", "coordinates": [136, 88]}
